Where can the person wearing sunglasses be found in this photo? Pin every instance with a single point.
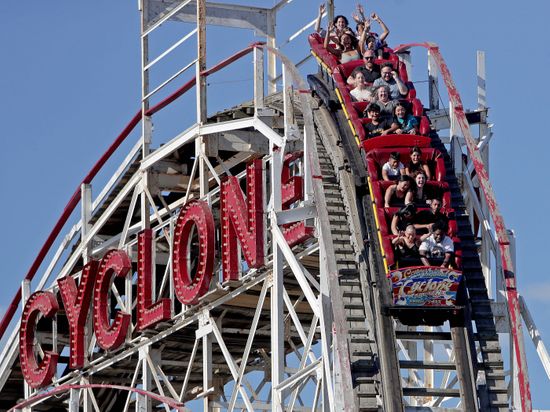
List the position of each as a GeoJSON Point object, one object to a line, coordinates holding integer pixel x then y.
{"type": "Point", "coordinates": [370, 70]}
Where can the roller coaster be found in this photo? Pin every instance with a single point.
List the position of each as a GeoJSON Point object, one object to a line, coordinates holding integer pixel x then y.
{"type": "Point", "coordinates": [248, 262]}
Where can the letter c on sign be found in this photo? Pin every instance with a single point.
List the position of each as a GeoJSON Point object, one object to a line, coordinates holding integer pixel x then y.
{"type": "Point", "coordinates": [194, 214]}
{"type": "Point", "coordinates": [114, 263]}
{"type": "Point", "coordinates": [36, 374]}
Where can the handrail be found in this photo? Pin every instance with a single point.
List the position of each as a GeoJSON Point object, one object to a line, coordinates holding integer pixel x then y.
{"type": "Point", "coordinates": [500, 228]}
{"type": "Point", "coordinates": [75, 198]}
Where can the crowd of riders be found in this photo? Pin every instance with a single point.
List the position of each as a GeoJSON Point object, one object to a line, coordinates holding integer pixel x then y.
{"type": "Point", "coordinates": [419, 227]}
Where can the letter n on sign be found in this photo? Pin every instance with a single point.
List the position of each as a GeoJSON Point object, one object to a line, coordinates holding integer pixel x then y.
{"type": "Point", "coordinates": [243, 221]}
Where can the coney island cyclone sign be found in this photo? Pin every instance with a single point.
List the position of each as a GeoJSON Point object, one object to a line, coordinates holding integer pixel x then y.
{"type": "Point", "coordinates": [427, 286]}
{"type": "Point", "coordinates": [241, 228]}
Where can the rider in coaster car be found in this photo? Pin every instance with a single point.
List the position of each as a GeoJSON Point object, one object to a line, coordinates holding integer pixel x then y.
{"type": "Point", "coordinates": [438, 248]}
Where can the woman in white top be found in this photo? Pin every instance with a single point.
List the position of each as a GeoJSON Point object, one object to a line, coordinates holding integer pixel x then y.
{"type": "Point", "coordinates": [362, 92]}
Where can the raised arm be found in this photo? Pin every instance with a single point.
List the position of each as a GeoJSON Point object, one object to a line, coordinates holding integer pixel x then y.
{"type": "Point", "coordinates": [361, 12]}
{"type": "Point", "coordinates": [322, 9]}
{"type": "Point", "coordinates": [403, 89]}
{"type": "Point", "coordinates": [336, 52]}
{"type": "Point", "coordinates": [386, 31]}
{"type": "Point", "coordinates": [362, 39]}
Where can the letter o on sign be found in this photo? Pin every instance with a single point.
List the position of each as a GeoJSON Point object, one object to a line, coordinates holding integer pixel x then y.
{"type": "Point", "coordinates": [194, 214]}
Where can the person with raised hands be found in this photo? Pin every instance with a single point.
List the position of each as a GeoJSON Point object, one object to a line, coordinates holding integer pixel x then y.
{"type": "Point", "coordinates": [346, 45]}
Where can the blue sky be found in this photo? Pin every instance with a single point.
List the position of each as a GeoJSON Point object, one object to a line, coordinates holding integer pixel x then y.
{"type": "Point", "coordinates": [70, 81]}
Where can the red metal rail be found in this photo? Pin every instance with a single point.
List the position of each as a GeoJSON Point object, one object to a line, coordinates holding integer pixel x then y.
{"type": "Point", "coordinates": [172, 403]}
{"type": "Point", "coordinates": [75, 198]}
{"type": "Point", "coordinates": [500, 228]}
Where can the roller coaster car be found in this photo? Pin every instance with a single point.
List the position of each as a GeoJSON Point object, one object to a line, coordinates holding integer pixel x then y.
{"type": "Point", "coordinates": [433, 188]}
{"type": "Point", "coordinates": [431, 157]}
{"type": "Point", "coordinates": [421, 295]}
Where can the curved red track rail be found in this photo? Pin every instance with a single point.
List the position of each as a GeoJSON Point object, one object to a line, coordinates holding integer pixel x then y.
{"type": "Point", "coordinates": [500, 228]}
{"type": "Point", "coordinates": [75, 198]}
{"type": "Point", "coordinates": [172, 403]}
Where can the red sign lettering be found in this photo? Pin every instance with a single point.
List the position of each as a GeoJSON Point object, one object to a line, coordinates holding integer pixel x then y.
{"type": "Point", "coordinates": [198, 215]}
{"type": "Point", "coordinates": [148, 314]}
{"type": "Point", "coordinates": [115, 263]}
{"type": "Point", "coordinates": [76, 303]}
{"type": "Point", "coordinates": [36, 374]}
{"type": "Point", "coordinates": [242, 221]}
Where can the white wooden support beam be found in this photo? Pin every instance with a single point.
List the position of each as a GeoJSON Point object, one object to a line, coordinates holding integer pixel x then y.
{"type": "Point", "coordinates": [189, 369]}
{"type": "Point", "coordinates": [207, 372]}
{"type": "Point", "coordinates": [481, 86]}
{"type": "Point", "coordinates": [268, 132]}
{"type": "Point", "coordinates": [259, 91]}
{"type": "Point", "coordinates": [218, 14]}
{"type": "Point", "coordinates": [277, 318]}
{"type": "Point", "coordinates": [297, 214]}
{"type": "Point", "coordinates": [201, 93]}
{"type": "Point", "coordinates": [287, 254]}
{"type": "Point", "coordinates": [271, 60]}
{"type": "Point", "coordinates": [535, 335]}
{"type": "Point", "coordinates": [231, 364]}
{"type": "Point", "coordinates": [291, 128]}
{"type": "Point", "coordinates": [88, 400]}
{"type": "Point", "coordinates": [248, 346]}
{"type": "Point", "coordinates": [25, 294]}
{"type": "Point", "coordinates": [74, 400]}
{"type": "Point", "coordinates": [465, 369]}
{"type": "Point", "coordinates": [132, 385]}
{"type": "Point", "coordinates": [296, 378]}
{"type": "Point", "coordinates": [433, 79]}
{"type": "Point", "coordinates": [86, 213]}
{"type": "Point", "coordinates": [143, 403]}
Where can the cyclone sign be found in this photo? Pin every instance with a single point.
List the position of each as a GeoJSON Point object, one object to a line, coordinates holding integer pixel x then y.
{"type": "Point", "coordinates": [426, 286]}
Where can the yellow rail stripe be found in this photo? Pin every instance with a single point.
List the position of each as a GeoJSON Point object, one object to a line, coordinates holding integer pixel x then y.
{"type": "Point", "coordinates": [378, 226]}
{"type": "Point", "coordinates": [348, 117]}
{"type": "Point", "coordinates": [321, 62]}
